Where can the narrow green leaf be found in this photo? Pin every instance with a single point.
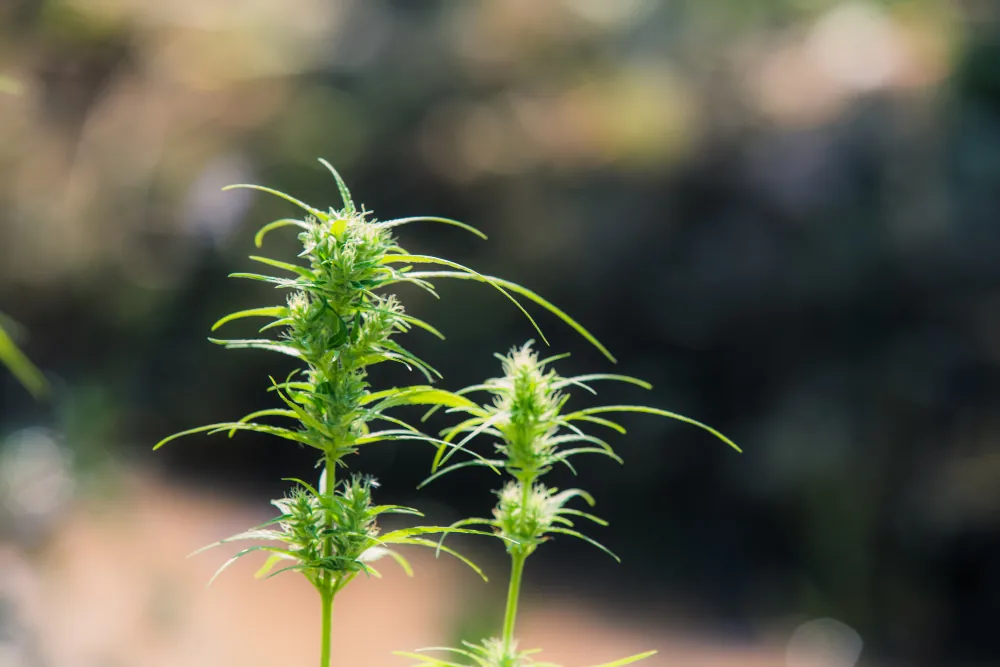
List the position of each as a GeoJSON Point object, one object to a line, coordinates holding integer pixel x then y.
{"type": "Point", "coordinates": [426, 396]}
{"type": "Point", "coordinates": [565, 454]}
{"type": "Point", "coordinates": [272, 560]}
{"type": "Point", "coordinates": [409, 319]}
{"type": "Point", "coordinates": [287, 266]}
{"type": "Point", "coordinates": [469, 274]}
{"type": "Point", "coordinates": [595, 420]}
{"type": "Point", "coordinates": [426, 218]}
{"type": "Point", "coordinates": [225, 566]}
{"type": "Point", "coordinates": [345, 194]}
{"type": "Point", "coordinates": [596, 519]}
{"type": "Point", "coordinates": [448, 550]}
{"type": "Point", "coordinates": [628, 660]}
{"type": "Point", "coordinates": [429, 661]}
{"type": "Point", "coordinates": [579, 535]}
{"type": "Point", "coordinates": [271, 311]}
{"type": "Point", "coordinates": [258, 344]}
{"type": "Point", "coordinates": [280, 282]}
{"type": "Point", "coordinates": [603, 376]}
{"type": "Point", "coordinates": [22, 368]}
{"type": "Point", "coordinates": [403, 563]}
{"type": "Point", "coordinates": [306, 207]}
{"type": "Point", "coordinates": [652, 411]}
{"type": "Point", "coordinates": [267, 429]}
{"type": "Point", "coordinates": [258, 238]}
{"type": "Point", "coordinates": [494, 465]}
{"type": "Point", "coordinates": [191, 431]}
{"type": "Point", "coordinates": [528, 294]}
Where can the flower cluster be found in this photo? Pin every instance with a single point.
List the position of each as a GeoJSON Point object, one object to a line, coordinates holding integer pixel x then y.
{"type": "Point", "coordinates": [532, 432]}
{"type": "Point", "coordinates": [324, 534]}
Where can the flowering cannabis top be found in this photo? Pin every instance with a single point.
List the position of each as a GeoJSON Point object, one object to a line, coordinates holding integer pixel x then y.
{"type": "Point", "coordinates": [338, 321]}
{"type": "Point", "coordinates": [532, 432]}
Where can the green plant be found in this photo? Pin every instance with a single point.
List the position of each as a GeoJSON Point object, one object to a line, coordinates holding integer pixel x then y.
{"type": "Point", "coordinates": [18, 364]}
{"type": "Point", "coordinates": [338, 321]}
{"type": "Point", "coordinates": [533, 432]}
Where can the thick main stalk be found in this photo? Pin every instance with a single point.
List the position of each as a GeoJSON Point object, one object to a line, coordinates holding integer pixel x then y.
{"type": "Point", "coordinates": [327, 598]}
{"type": "Point", "coordinates": [327, 590]}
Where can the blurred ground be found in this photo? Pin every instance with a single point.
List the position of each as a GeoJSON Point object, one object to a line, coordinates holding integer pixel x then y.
{"type": "Point", "coordinates": [112, 588]}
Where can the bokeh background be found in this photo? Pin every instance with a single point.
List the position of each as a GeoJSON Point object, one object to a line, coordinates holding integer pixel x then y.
{"type": "Point", "coordinates": [785, 214]}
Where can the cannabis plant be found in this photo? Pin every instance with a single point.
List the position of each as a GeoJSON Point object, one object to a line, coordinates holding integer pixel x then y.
{"type": "Point", "coordinates": [339, 319]}
{"type": "Point", "coordinates": [533, 432]}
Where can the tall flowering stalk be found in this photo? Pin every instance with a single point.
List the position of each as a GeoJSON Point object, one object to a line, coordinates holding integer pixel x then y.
{"type": "Point", "coordinates": [533, 432]}
{"type": "Point", "coordinates": [338, 320]}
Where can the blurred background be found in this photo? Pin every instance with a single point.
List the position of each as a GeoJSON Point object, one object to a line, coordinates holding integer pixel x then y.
{"type": "Point", "coordinates": [785, 214]}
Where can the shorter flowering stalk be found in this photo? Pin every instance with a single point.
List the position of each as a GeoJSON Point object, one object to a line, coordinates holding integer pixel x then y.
{"type": "Point", "coordinates": [532, 432]}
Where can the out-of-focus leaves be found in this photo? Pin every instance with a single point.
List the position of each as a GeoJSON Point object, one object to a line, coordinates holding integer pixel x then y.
{"type": "Point", "coordinates": [22, 368]}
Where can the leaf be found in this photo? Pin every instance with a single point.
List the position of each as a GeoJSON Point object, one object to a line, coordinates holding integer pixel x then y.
{"type": "Point", "coordinates": [252, 534]}
{"type": "Point", "coordinates": [345, 194]}
{"type": "Point", "coordinates": [628, 660]}
{"type": "Point", "coordinates": [448, 550]}
{"type": "Point", "coordinates": [427, 218]}
{"type": "Point", "coordinates": [469, 274]}
{"type": "Point", "coordinates": [287, 266]}
{"type": "Point", "coordinates": [429, 661]}
{"type": "Point", "coordinates": [421, 365]}
{"type": "Point", "coordinates": [528, 294]}
{"type": "Point", "coordinates": [245, 186]}
{"type": "Point", "coordinates": [225, 566]}
{"type": "Point", "coordinates": [596, 420]}
{"type": "Point", "coordinates": [22, 368]}
{"type": "Point", "coordinates": [258, 238]}
{"type": "Point", "coordinates": [227, 426]}
{"type": "Point", "coordinates": [579, 535]}
{"type": "Point", "coordinates": [565, 454]}
{"type": "Point", "coordinates": [409, 319]}
{"type": "Point", "coordinates": [272, 560]}
{"type": "Point", "coordinates": [652, 411]}
{"type": "Point", "coordinates": [580, 437]}
{"type": "Point", "coordinates": [493, 465]}
{"type": "Point", "coordinates": [596, 519]}
{"type": "Point", "coordinates": [403, 563]}
{"type": "Point", "coordinates": [484, 426]}
{"type": "Point", "coordinates": [424, 396]}
{"type": "Point", "coordinates": [270, 412]}
{"type": "Point", "coordinates": [579, 379]}
{"type": "Point", "coordinates": [271, 311]}
{"type": "Point", "coordinates": [280, 282]}
{"type": "Point", "coordinates": [258, 344]}
{"type": "Point", "coordinates": [457, 651]}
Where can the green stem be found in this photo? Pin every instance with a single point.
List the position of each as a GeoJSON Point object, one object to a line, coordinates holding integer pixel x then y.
{"type": "Point", "coordinates": [327, 590]}
{"type": "Point", "coordinates": [327, 597]}
{"type": "Point", "coordinates": [517, 558]}
{"type": "Point", "coordinates": [513, 592]}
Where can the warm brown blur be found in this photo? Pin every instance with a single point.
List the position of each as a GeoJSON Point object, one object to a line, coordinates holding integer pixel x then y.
{"type": "Point", "coordinates": [782, 213]}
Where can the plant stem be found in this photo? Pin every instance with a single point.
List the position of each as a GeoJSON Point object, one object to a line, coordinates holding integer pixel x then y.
{"type": "Point", "coordinates": [513, 592]}
{"type": "Point", "coordinates": [327, 591]}
{"type": "Point", "coordinates": [517, 558]}
{"type": "Point", "coordinates": [327, 597]}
